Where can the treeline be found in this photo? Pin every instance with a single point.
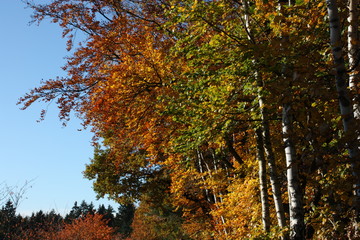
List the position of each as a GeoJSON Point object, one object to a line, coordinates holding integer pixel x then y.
{"type": "Point", "coordinates": [223, 119]}
{"type": "Point", "coordinates": [84, 221]}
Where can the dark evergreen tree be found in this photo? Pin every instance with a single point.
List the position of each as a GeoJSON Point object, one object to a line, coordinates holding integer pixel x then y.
{"type": "Point", "coordinates": [101, 209]}
{"type": "Point", "coordinates": [9, 221]}
{"type": "Point", "coordinates": [108, 214]}
{"type": "Point", "coordinates": [16, 227]}
{"type": "Point", "coordinates": [124, 218]}
{"type": "Point", "coordinates": [86, 208]}
{"type": "Point", "coordinates": [74, 213]}
{"type": "Point", "coordinates": [39, 222]}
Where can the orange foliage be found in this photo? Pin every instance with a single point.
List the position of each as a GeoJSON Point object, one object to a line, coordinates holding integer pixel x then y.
{"type": "Point", "coordinates": [90, 227]}
{"type": "Point", "coordinates": [123, 84]}
{"type": "Point", "coordinates": [241, 209]}
{"type": "Point", "coordinates": [143, 225]}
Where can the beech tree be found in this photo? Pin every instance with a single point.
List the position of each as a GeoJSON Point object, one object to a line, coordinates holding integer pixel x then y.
{"type": "Point", "coordinates": [91, 226]}
{"type": "Point", "coordinates": [195, 105]}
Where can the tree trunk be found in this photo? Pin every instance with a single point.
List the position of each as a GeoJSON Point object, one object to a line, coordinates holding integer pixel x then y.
{"type": "Point", "coordinates": [346, 108]}
{"type": "Point", "coordinates": [263, 181]}
{"type": "Point", "coordinates": [297, 225]}
{"type": "Point", "coordinates": [260, 145]}
{"type": "Point", "coordinates": [353, 53]}
{"type": "Point", "coordinates": [296, 210]}
{"type": "Point", "coordinates": [274, 179]}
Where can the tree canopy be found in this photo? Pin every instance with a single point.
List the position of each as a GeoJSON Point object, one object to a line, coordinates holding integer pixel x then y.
{"type": "Point", "coordinates": [220, 118]}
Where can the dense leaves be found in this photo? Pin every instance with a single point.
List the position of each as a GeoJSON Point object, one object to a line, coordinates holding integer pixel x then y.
{"type": "Point", "coordinates": [82, 222]}
{"type": "Point", "coordinates": [184, 97]}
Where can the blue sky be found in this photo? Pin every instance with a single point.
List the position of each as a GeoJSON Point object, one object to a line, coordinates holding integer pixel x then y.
{"type": "Point", "coordinates": [52, 155]}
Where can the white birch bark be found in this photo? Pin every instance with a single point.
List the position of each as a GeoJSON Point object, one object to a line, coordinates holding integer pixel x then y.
{"type": "Point", "coordinates": [217, 198]}
{"type": "Point", "coordinates": [201, 170]}
{"type": "Point", "coordinates": [261, 156]}
{"type": "Point", "coordinates": [214, 193]}
{"type": "Point", "coordinates": [265, 213]}
{"type": "Point", "coordinates": [274, 179]}
{"type": "Point", "coordinates": [275, 185]}
{"type": "Point", "coordinates": [296, 211]}
{"type": "Point", "coordinates": [353, 53]}
{"type": "Point", "coordinates": [346, 107]}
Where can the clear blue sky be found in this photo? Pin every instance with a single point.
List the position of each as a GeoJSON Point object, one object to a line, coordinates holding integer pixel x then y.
{"type": "Point", "coordinates": [52, 155]}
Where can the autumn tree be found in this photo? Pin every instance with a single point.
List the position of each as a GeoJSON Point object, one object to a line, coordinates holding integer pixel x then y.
{"type": "Point", "coordinates": [192, 102]}
{"type": "Point", "coordinates": [345, 100]}
{"type": "Point", "coordinates": [89, 227]}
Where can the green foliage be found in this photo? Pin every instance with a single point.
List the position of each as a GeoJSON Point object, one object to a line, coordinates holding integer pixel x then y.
{"type": "Point", "coordinates": [124, 180]}
{"type": "Point", "coordinates": [44, 225]}
{"type": "Point", "coordinates": [176, 89]}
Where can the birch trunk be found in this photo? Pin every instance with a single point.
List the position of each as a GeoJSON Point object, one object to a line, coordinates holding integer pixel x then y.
{"type": "Point", "coordinates": [296, 210]}
{"type": "Point", "coordinates": [274, 179]}
{"type": "Point", "coordinates": [275, 186]}
{"type": "Point", "coordinates": [297, 225]}
{"type": "Point", "coordinates": [260, 149]}
{"type": "Point", "coordinates": [214, 192]}
{"type": "Point", "coordinates": [263, 181]}
{"type": "Point", "coordinates": [346, 108]}
{"type": "Point", "coordinates": [201, 170]}
{"type": "Point", "coordinates": [353, 53]}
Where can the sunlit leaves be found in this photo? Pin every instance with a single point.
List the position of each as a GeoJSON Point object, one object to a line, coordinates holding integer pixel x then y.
{"type": "Point", "coordinates": [90, 227]}
{"type": "Point", "coordinates": [172, 90]}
